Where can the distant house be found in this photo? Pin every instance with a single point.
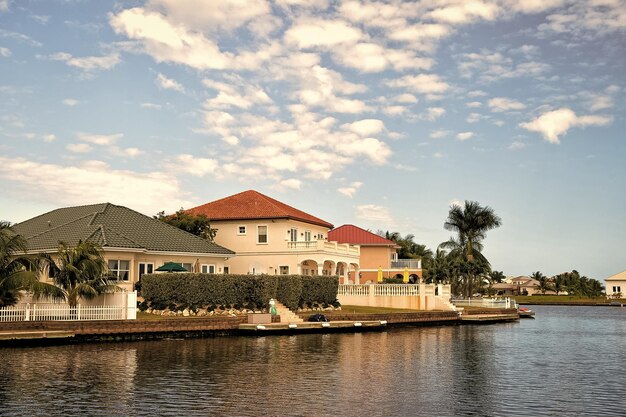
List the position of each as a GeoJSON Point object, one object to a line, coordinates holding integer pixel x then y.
{"type": "Point", "coordinates": [271, 237]}
{"type": "Point", "coordinates": [376, 253]}
{"type": "Point", "coordinates": [616, 284]}
{"type": "Point", "coordinates": [133, 244]}
{"type": "Point", "coordinates": [521, 285]}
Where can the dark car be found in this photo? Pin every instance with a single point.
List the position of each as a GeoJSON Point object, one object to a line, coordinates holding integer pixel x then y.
{"type": "Point", "coordinates": [318, 317]}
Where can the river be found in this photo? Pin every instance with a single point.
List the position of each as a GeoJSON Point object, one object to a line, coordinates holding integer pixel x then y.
{"type": "Point", "coordinates": [568, 361]}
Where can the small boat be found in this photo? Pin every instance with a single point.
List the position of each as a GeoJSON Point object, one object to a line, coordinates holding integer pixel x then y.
{"type": "Point", "coordinates": [525, 313]}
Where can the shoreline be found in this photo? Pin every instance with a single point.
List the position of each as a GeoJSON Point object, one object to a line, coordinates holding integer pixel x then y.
{"type": "Point", "coordinates": [17, 334]}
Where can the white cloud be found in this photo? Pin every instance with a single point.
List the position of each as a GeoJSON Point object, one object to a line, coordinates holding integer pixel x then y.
{"type": "Point", "coordinates": [235, 92]}
{"type": "Point", "coordinates": [406, 98]}
{"type": "Point", "coordinates": [503, 104]}
{"type": "Point", "coordinates": [151, 106]}
{"type": "Point", "coordinates": [189, 164]}
{"type": "Point", "coordinates": [70, 102]}
{"type": "Point", "coordinates": [473, 104]}
{"type": "Point", "coordinates": [309, 32]}
{"type": "Point", "coordinates": [440, 133]}
{"type": "Point", "coordinates": [433, 113]}
{"type": "Point", "coordinates": [4, 5]}
{"type": "Point", "coordinates": [374, 214]}
{"type": "Point", "coordinates": [394, 110]}
{"type": "Point", "coordinates": [291, 183]}
{"type": "Point", "coordinates": [350, 190]}
{"type": "Point", "coordinates": [102, 140]}
{"type": "Point", "coordinates": [49, 138]}
{"type": "Point", "coordinates": [91, 182]}
{"type": "Point", "coordinates": [516, 145]}
{"type": "Point", "coordinates": [5, 52]}
{"type": "Point", "coordinates": [78, 147]}
{"type": "Point", "coordinates": [421, 83]}
{"type": "Point", "coordinates": [88, 63]}
{"type": "Point", "coordinates": [555, 123]}
{"type": "Point", "coordinates": [365, 127]}
{"type": "Point", "coordinates": [168, 84]}
{"type": "Point", "coordinates": [465, 12]}
{"type": "Point", "coordinates": [465, 135]}
{"type": "Point", "coordinates": [439, 155]}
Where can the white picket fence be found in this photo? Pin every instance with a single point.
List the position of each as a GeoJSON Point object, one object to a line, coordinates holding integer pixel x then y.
{"type": "Point", "coordinates": [485, 302]}
{"type": "Point", "coordinates": [125, 310]}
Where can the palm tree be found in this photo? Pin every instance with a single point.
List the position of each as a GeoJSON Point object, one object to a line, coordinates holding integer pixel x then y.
{"type": "Point", "coordinates": [496, 276]}
{"type": "Point", "coordinates": [81, 272]}
{"type": "Point", "coordinates": [471, 222]}
{"type": "Point", "coordinates": [19, 273]}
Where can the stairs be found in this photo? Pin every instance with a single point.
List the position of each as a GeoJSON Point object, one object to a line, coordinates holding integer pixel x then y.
{"type": "Point", "coordinates": [286, 316]}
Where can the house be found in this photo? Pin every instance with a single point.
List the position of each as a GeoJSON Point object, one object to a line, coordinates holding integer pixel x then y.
{"type": "Point", "coordinates": [271, 237]}
{"type": "Point", "coordinates": [377, 253]}
{"type": "Point", "coordinates": [616, 284]}
{"type": "Point", "coordinates": [133, 244]}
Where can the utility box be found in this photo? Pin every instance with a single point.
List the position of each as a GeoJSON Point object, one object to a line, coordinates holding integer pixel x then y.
{"type": "Point", "coordinates": [259, 318]}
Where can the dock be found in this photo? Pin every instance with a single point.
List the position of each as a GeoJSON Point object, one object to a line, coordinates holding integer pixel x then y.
{"type": "Point", "coordinates": [489, 318]}
{"type": "Point", "coordinates": [313, 326]}
{"type": "Point", "coordinates": [36, 335]}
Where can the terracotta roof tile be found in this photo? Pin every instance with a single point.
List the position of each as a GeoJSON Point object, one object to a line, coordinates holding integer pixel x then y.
{"type": "Point", "coordinates": [354, 235]}
{"type": "Point", "coordinates": [253, 205]}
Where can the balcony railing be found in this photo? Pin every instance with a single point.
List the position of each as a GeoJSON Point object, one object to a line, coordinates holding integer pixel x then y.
{"type": "Point", "coordinates": [325, 246]}
{"type": "Point", "coordinates": [407, 263]}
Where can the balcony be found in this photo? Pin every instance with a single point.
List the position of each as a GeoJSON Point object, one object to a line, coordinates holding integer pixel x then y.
{"type": "Point", "coordinates": [406, 263]}
{"type": "Point", "coordinates": [324, 246]}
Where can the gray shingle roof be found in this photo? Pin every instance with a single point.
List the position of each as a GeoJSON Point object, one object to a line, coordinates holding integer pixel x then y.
{"type": "Point", "coordinates": [110, 226]}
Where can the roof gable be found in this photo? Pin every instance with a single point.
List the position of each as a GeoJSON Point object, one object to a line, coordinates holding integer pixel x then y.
{"type": "Point", "coordinates": [354, 235]}
{"type": "Point", "coordinates": [110, 226]}
{"type": "Point", "coordinates": [620, 276]}
{"type": "Point", "coordinates": [253, 205]}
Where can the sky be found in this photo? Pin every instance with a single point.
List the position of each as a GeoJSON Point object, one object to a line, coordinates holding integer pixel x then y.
{"type": "Point", "coordinates": [378, 114]}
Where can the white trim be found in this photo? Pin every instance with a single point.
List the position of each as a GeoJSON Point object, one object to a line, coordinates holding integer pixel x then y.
{"type": "Point", "coordinates": [147, 252]}
{"type": "Point", "coordinates": [208, 269]}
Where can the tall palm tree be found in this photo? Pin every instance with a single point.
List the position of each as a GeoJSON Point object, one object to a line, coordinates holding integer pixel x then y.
{"type": "Point", "coordinates": [472, 222]}
{"type": "Point", "coordinates": [19, 273]}
{"type": "Point", "coordinates": [81, 271]}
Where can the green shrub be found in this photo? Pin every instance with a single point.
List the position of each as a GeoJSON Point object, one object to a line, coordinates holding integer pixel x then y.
{"type": "Point", "coordinates": [193, 290]}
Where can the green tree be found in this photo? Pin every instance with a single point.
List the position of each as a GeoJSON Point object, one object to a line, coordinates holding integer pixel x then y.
{"type": "Point", "coordinates": [81, 272]}
{"type": "Point", "coordinates": [198, 225]}
{"type": "Point", "coordinates": [19, 273]}
{"type": "Point", "coordinates": [496, 276]}
{"type": "Point", "coordinates": [471, 223]}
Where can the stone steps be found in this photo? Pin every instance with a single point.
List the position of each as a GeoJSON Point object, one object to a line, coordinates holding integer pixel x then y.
{"type": "Point", "coordinates": [286, 315]}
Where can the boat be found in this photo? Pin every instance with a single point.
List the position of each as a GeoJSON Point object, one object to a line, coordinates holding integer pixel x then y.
{"type": "Point", "coordinates": [525, 313]}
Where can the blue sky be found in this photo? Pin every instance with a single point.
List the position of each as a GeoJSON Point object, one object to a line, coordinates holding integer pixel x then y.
{"type": "Point", "coordinates": [379, 114]}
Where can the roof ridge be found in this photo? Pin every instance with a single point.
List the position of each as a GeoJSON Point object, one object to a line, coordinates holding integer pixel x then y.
{"type": "Point", "coordinates": [99, 228]}
{"type": "Point", "coordinates": [104, 228]}
{"type": "Point", "coordinates": [58, 209]}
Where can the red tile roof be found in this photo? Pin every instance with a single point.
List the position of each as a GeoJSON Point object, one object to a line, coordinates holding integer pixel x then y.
{"type": "Point", "coordinates": [354, 235]}
{"type": "Point", "coordinates": [253, 205]}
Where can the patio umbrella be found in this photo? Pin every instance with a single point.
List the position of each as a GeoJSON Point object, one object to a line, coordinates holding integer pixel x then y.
{"type": "Point", "coordinates": [380, 274]}
{"type": "Point", "coordinates": [171, 267]}
{"type": "Point", "coordinates": [405, 276]}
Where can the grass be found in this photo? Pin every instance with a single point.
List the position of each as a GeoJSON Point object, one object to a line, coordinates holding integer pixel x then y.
{"type": "Point", "coordinates": [142, 315]}
{"type": "Point", "coordinates": [563, 299]}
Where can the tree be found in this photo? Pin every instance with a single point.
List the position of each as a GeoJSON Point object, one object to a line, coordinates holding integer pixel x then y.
{"type": "Point", "coordinates": [19, 273]}
{"type": "Point", "coordinates": [81, 272]}
{"type": "Point", "coordinates": [496, 276]}
{"type": "Point", "coordinates": [198, 225]}
{"type": "Point", "coordinates": [471, 222]}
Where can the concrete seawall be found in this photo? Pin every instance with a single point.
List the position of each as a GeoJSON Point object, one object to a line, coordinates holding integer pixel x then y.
{"type": "Point", "coordinates": [15, 333]}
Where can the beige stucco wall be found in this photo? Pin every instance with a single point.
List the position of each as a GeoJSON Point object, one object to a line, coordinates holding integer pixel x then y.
{"type": "Point", "coordinates": [609, 284]}
{"type": "Point", "coordinates": [373, 257]}
{"type": "Point", "coordinates": [267, 258]}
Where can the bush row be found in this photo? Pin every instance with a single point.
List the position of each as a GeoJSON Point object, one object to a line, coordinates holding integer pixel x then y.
{"type": "Point", "coordinates": [194, 290]}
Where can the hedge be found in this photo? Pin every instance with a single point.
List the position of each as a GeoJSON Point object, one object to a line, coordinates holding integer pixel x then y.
{"type": "Point", "coordinates": [181, 290]}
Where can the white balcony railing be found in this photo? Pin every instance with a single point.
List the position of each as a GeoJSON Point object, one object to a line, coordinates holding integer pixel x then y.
{"type": "Point", "coordinates": [406, 263]}
{"type": "Point", "coordinates": [325, 246]}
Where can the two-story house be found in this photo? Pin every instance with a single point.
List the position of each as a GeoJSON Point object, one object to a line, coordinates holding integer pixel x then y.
{"type": "Point", "coordinates": [377, 255]}
{"type": "Point", "coordinates": [271, 237]}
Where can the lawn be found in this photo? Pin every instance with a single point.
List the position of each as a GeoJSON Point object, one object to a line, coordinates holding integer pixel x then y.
{"type": "Point", "coordinates": [563, 299]}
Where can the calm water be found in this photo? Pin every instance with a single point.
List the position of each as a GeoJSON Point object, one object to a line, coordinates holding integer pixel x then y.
{"type": "Point", "coordinates": [569, 361]}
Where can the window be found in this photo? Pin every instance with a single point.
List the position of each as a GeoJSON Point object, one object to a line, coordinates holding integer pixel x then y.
{"type": "Point", "coordinates": [188, 267]}
{"type": "Point", "coordinates": [145, 268]}
{"type": "Point", "coordinates": [284, 270]}
{"type": "Point", "coordinates": [293, 235]}
{"type": "Point", "coordinates": [617, 289]}
{"type": "Point", "coordinates": [120, 269]}
{"type": "Point", "coordinates": [261, 234]}
{"type": "Point", "coordinates": [208, 269]}
{"type": "Point", "coordinates": [241, 230]}
{"type": "Point", "coordinates": [226, 270]}
{"type": "Point", "coordinates": [307, 236]}
{"type": "Point", "coordinates": [394, 256]}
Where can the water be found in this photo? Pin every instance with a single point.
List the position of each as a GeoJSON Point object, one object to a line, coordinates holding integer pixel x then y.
{"type": "Point", "coordinates": [566, 362]}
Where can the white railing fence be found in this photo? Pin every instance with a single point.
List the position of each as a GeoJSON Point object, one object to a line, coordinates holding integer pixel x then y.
{"type": "Point", "coordinates": [396, 289]}
{"type": "Point", "coordinates": [63, 312]}
{"type": "Point", "coordinates": [485, 302]}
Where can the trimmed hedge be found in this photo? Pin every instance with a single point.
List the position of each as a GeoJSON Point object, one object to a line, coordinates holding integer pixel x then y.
{"type": "Point", "coordinates": [194, 290]}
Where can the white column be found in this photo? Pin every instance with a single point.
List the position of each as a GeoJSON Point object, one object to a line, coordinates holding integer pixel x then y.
{"type": "Point", "coordinates": [320, 269]}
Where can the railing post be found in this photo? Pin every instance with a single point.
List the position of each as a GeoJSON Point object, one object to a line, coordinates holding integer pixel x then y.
{"type": "Point", "coordinates": [78, 311]}
{"type": "Point", "coordinates": [27, 312]}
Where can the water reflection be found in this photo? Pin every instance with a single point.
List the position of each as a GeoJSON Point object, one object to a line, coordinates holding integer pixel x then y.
{"type": "Point", "coordinates": [562, 363]}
